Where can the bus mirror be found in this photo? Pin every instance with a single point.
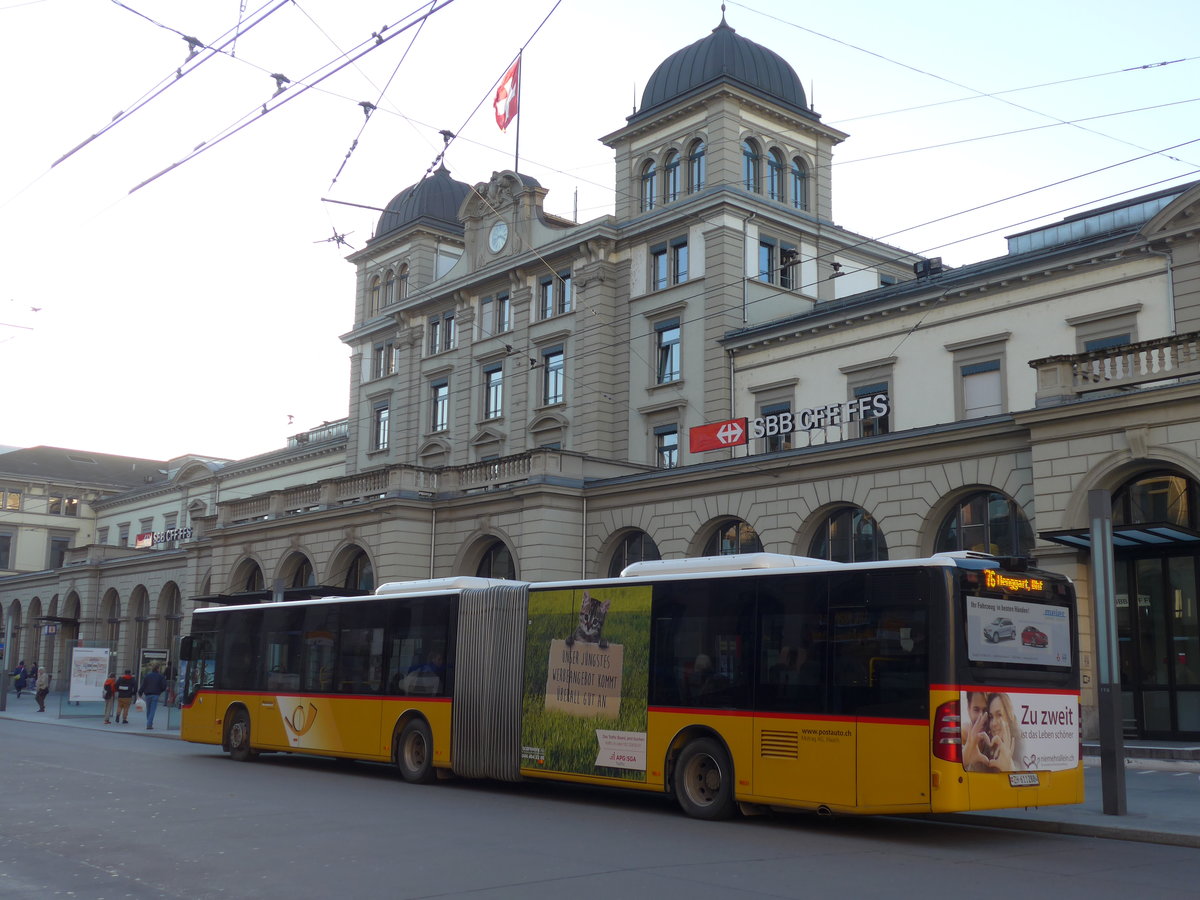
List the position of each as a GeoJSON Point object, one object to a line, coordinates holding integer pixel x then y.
{"type": "Point", "coordinates": [185, 648]}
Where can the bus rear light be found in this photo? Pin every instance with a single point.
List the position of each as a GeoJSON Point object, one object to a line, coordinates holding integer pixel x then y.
{"type": "Point", "coordinates": [947, 732]}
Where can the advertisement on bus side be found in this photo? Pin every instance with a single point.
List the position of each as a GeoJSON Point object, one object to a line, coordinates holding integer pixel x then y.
{"type": "Point", "coordinates": [1009, 731]}
{"type": "Point", "coordinates": [587, 658]}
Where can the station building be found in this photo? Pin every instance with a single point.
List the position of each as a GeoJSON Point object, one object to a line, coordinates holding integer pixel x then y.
{"type": "Point", "coordinates": [716, 368]}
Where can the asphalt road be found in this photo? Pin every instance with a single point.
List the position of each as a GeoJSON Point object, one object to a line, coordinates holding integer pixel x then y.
{"type": "Point", "coordinates": [113, 815]}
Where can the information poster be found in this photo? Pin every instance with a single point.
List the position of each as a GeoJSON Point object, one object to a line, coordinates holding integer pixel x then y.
{"type": "Point", "coordinates": [586, 681]}
{"type": "Point", "coordinates": [89, 668]}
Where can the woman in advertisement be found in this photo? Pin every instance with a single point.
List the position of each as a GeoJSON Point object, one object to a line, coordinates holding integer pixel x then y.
{"type": "Point", "coordinates": [990, 742]}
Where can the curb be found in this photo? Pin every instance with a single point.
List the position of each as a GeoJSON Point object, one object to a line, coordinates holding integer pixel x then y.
{"type": "Point", "coordinates": [1078, 829]}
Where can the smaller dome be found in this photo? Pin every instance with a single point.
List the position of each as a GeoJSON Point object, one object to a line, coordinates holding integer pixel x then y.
{"type": "Point", "coordinates": [723, 55]}
{"type": "Point", "coordinates": [434, 200]}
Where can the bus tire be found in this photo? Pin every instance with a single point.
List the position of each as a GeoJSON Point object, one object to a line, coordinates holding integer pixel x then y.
{"type": "Point", "coordinates": [238, 738]}
{"type": "Point", "coordinates": [414, 753]}
{"type": "Point", "coordinates": [703, 780]}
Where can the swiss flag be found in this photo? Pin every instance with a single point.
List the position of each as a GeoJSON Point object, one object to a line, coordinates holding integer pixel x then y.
{"type": "Point", "coordinates": [508, 96]}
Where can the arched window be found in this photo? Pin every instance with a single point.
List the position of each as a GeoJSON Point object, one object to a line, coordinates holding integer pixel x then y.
{"type": "Point", "coordinates": [403, 282]}
{"type": "Point", "coordinates": [373, 299]}
{"type": "Point", "coordinates": [389, 288]}
{"type": "Point", "coordinates": [497, 562]}
{"type": "Point", "coordinates": [733, 536]}
{"type": "Point", "coordinates": [799, 184]}
{"type": "Point", "coordinates": [649, 186]}
{"type": "Point", "coordinates": [302, 573]}
{"type": "Point", "coordinates": [751, 167]}
{"type": "Point", "coordinates": [360, 574]}
{"type": "Point", "coordinates": [775, 170]}
{"type": "Point", "coordinates": [636, 546]}
{"type": "Point", "coordinates": [988, 522]}
{"type": "Point", "coordinates": [671, 177]}
{"type": "Point", "coordinates": [849, 534]}
{"type": "Point", "coordinates": [1156, 498]}
{"type": "Point", "coordinates": [697, 167]}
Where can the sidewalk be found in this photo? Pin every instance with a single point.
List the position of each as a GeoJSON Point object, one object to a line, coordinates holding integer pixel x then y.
{"type": "Point", "coordinates": [1162, 781]}
{"type": "Point", "coordinates": [89, 716]}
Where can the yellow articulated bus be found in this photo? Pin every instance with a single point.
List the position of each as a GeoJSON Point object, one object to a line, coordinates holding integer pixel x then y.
{"type": "Point", "coordinates": [760, 681]}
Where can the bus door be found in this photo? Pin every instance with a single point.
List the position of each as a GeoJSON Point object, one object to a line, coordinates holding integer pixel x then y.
{"type": "Point", "coordinates": [804, 753]}
{"type": "Point", "coordinates": [199, 652]}
{"type": "Point", "coordinates": [879, 680]}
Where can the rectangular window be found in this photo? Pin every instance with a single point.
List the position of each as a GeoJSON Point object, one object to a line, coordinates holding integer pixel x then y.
{"type": "Point", "coordinates": [383, 360]}
{"type": "Point", "coordinates": [494, 315]}
{"type": "Point", "coordinates": [666, 446]}
{"type": "Point", "coordinates": [435, 335]}
{"type": "Point", "coordinates": [679, 261]}
{"type": "Point", "coordinates": [63, 506]}
{"type": "Point", "coordinates": [553, 384]}
{"type": "Point", "coordinates": [981, 389]}
{"type": "Point", "coordinates": [871, 423]}
{"type": "Point", "coordinates": [503, 313]}
{"type": "Point", "coordinates": [666, 335]}
{"type": "Point", "coordinates": [442, 334]}
{"type": "Point", "coordinates": [440, 405]}
{"type": "Point", "coordinates": [766, 262]}
{"type": "Point", "coordinates": [102, 535]}
{"type": "Point", "coordinates": [58, 551]}
{"type": "Point", "coordinates": [380, 427]}
{"type": "Point", "coordinates": [788, 256]}
{"type": "Point", "coordinates": [658, 267]}
{"type": "Point", "coordinates": [493, 392]}
{"type": "Point", "coordinates": [1107, 343]}
{"type": "Point", "coordinates": [554, 295]}
{"type": "Point", "coordinates": [773, 442]}
{"type": "Point", "coordinates": [6, 542]}
{"type": "Point", "coordinates": [123, 535]}
{"type": "Point", "coordinates": [11, 500]}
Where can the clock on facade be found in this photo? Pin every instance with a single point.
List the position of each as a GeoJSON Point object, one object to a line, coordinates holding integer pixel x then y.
{"type": "Point", "coordinates": [498, 236]}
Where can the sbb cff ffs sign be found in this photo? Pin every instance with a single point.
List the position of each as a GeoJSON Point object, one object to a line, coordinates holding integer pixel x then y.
{"type": "Point", "coordinates": [733, 432]}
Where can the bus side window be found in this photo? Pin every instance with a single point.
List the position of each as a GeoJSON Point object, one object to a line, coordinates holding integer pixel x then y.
{"type": "Point", "coordinates": [703, 644]}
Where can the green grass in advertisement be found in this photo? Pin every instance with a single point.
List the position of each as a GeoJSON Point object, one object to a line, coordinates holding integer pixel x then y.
{"type": "Point", "coordinates": [587, 655]}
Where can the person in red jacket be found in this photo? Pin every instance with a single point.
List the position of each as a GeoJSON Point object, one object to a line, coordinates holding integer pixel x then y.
{"type": "Point", "coordinates": [110, 696]}
{"type": "Point", "coordinates": [126, 691]}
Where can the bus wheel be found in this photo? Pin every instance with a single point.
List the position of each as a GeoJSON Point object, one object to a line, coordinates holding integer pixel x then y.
{"type": "Point", "coordinates": [704, 780]}
{"type": "Point", "coordinates": [239, 737]}
{"type": "Point", "coordinates": [414, 753]}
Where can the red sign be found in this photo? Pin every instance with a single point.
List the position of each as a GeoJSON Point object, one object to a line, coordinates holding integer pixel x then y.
{"type": "Point", "coordinates": [717, 436]}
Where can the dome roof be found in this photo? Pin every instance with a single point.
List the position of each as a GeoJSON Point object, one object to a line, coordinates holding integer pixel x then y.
{"type": "Point", "coordinates": [723, 56]}
{"type": "Point", "coordinates": [434, 200]}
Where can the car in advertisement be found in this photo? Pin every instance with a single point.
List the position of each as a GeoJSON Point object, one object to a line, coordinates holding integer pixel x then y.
{"type": "Point", "coordinates": [999, 629]}
{"type": "Point", "coordinates": [1032, 637]}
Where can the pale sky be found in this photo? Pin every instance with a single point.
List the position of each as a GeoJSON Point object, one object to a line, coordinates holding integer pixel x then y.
{"type": "Point", "coordinates": [201, 313]}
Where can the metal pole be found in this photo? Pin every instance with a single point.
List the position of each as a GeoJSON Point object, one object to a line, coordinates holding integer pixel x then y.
{"type": "Point", "coordinates": [7, 660]}
{"type": "Point", "coordinates": [1112, 741]}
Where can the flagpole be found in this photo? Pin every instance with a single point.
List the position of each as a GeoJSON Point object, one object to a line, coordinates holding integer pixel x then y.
{"type": "Point", "coordinates": [520, 78]}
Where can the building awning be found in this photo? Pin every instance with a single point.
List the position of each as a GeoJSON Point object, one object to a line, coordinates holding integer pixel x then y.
{"type": "Point", "coordinates": [1163, 535]}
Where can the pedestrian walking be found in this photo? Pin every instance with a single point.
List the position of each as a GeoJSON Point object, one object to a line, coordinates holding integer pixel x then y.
{"type": "Point", "coordinates": [126, 691]}
{"type": "Point", "coordinates": [110, 696]}
{"type": "Point", "coordinates": [20, 677]}
{"type": "Point", "coordinates": [43, 688]}
{"type": "Point", "coordinates": [153, 685]}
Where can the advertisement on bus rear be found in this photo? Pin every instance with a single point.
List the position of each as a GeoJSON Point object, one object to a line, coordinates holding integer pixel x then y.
{"type": "Point", "coordinates": [1011, 731]}
{"type": "Point", "coordinates": [1017, 631]}
{"type": "Point", "coordinates": [586, 679]}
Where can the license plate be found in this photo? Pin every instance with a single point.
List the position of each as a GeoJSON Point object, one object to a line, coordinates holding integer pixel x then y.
{"type": "Point", "coordinates": [1023, 779]}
